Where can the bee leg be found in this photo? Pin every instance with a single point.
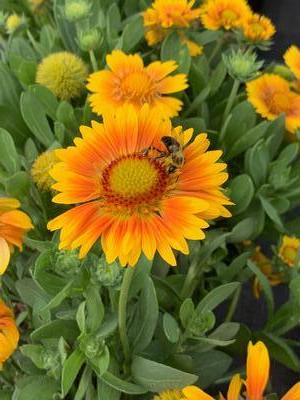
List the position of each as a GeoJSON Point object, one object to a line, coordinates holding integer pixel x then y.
{"type": "Point", "coordinates": [171, 169]}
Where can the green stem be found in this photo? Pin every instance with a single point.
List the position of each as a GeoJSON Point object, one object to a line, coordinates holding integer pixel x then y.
{"type": "Point", "coordinates": [233, 305]}
{"type": "Point", "coordinates": [93, 60]}
{"type": "Point", "coordinates": [216, 50]}
{"type": "Point", "coordinates": [231, 99]}
{"type": "Point", "coordinates": [123, 300]}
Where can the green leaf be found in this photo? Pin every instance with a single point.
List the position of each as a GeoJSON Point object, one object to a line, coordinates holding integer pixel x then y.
{"type": "Point", "coordinates": [121, 385]}
{"type": "Point", "coordinates": [35, 353]}
{"type": "Point", "coordinates": [18, 184]}
{"type": "Point", "coordinates": [133, 33]}
{"type": "Point", "coordinates": [144, 324]}
{"type": "Point", "coordinates": [31, 387]}
{"type": "Point", "coordinates": [186, 312]}
{"type": "Point", "coordinates": [71, 368]}
{"type": "Point", "coordinates": [85, 381]}
{"type": "Point", "coordinates": [241, 193]}
{"type": "Point", "coordinates": [272, 213]}
{"type": "Point", "coordinates": [94, 307]}
{"type": "Point", "coordinates": [171, 328]}
{"type": "Point", "coordinates": [35, 118]}
{"type": "Point", "coordinates": [157, 377]}
{"type": "Point", "coordinates": [275, 135]}
{"type": "Point", "coordinates": [217, 77]}
{"type": "Point", "coordinates": [216, 297]}
{"type": "Point", "coordinates": [210, 366]}
{"type": "Point", "coordinates": [247, 139]}
{"type": "Point", "coordinates": [46, 98]}
{"type": "Point", "coordinates": [267, 290]}
{"type": "Point", "coordinates": [257, 163]}
{"type": "Point", "coordinates": [31, 293]}
{"type": "Point", "coordinates": [67, 31]}
{"type": "Point", "coordinates": [280, 351]}
{"type": "Point", "coordinates": [170, 47]}
{"type": "Point", "coordinates": [65, 114]}
{"type": "Point", "coordinates": [199, 99]}
{"type": "Point", "coordinates": [9, 157]}
{"type": "Point", "coordinates": [244, 230]}
{"type": "Point", "coordinates": [80, 316]}
{"type": "Point", "coordinates": [289, 153]}
{"type": "Point", "coordinates": [60, 297]}
{"type": "Point", "coordinates": [55, 329]}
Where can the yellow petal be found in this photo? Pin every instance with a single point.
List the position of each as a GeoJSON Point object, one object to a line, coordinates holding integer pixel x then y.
{"type": "Point", "coordinates": [234, 389]}
{"type": "Point", "coordinates": [195, 393]}
{"type": "Point", "coordinates": [293, 393]}
{"type": "Point", "coordinates": [4, 255]}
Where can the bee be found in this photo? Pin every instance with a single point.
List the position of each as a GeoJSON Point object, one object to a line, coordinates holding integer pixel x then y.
{"type": "Point", "coordinates": [173, 155]}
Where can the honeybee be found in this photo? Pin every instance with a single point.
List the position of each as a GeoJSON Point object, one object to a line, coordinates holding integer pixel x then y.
{"type": "Point", "coordinates": [173, 156]}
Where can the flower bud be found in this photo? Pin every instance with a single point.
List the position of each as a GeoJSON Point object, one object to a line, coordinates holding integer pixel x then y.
{"type": "Point", "coordinates": [242, 66]}
{"type": "Point", "coordinates": [91, 346]}
{"type": "Point", "coordinates": [90, 40]}
{"type": "Point", "coordinates": [76, 10]}
{"type": "Point", "coordinates": [66, 262]}
{"type": "Point", "coordinates": [13, 22]}
{"type": "Point", "coordinates": [109, 275]}
{"type": "Point", "coordinates": [200, 323]}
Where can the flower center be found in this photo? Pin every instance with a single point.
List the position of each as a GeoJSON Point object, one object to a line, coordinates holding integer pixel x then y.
{"type": "Point", "coordinates": [290, 253]}
{"type": "Point", "coordinates": [228, 17]}
{"type": "Point", "coordinates": [280, 103]}
{"type": "Point", "coordinates": [134, 181]}
{"type": "Point", "coordinates": [137, 87]}
{"type": "Point", "coordinates": [257, 28]}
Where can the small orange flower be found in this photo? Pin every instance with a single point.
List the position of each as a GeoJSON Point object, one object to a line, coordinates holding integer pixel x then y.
{"type": "Point", "coordinates": [133, 197]}
{"type": "Point", "coordinates": [292, 60]}
{"type": "Point", "coordinates": [258, 368]}
{"type": "Point", "coordinates": [224, 14]}
{"type": "Point", "coordinates": [266, 267]}
{"type": "Point", "coordinates": [9, 334]}
{"type": "Point", "coordinates": [271, 96]}
{"type": "Point", "coordinates": [130, 82]}
{"type": "Point", "coordinates": [165, 15]}
{"type": "Point", "coordinates": [258, 28]}
{"type": "Point", "coordinates": [289, 250]}
{"type": "Point", "coordinates": [13, 226]}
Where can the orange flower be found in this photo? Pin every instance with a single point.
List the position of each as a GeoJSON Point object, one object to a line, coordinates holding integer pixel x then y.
{"type": "Point", "coordinates": [271, 96]}
{"type": "Point", "coordinates": [9, 334]}
{"type": "Point", "coordinates": [165, 15]}
{"type": "Point", "coordinates": [258, 368]}
{"type": "Point", "coordinates": [130, 82]}
{"type": "Point", "coordinates": [195, 393]}
{"type": "Point", "coordinates": [224, 14]}
{"type": "Point", "coordinates": [258, 28]}
{"type": "Point", "coordinates": [135, 196]}
{"type": "Point", "coordinates": [13, 226]}
{"type": "Point", "coordinates": [292, 60]}
{"type": "Point", "coordinates": [289, 250]}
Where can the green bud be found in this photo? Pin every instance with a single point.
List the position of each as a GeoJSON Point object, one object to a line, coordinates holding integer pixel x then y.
{"type": "Point", "coordinates": [200, 323]}
{"type": "Point", "coordinates": [241, 66]}
{"type": "Point", "coordinates": [51, 362]}
{"type": "Point", "coordinates": [283, 71]}
{"type": "Point", "coordinates": [109, 275]}
{"type": "Point", "coordinates": [90, 40]}
{"type": "Point", "coordinates": [66, 262]}
{"type": "Point", "coordinates": [91, 346]}
{"type": "Point", "coordinates": [76, 10]}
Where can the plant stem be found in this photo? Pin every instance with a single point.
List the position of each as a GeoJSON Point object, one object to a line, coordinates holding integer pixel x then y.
{"type": "Point", "coordinates": [232, 96]}
{"type": "Point", "coordinates": [216, 50]}
{"type": "Point", "coordinates": [93, 60]}
{"type": "Point", "coordinates": [233, 305]}
{"type": "Point", "coordinates": [123, 300]}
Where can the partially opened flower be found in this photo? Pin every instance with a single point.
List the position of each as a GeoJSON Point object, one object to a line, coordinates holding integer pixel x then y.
{"type": "Point", "coordinates": [9, 334]}
{"type": "Point", "coordinates": [271, 96]}
{"type": "Point", "coordinates": [13, 226]}
{"type": "Point", "coordinates": [292, 60]}
{"type": "Point", "coordinates": [129, 82]}
{"type": "Point", "coordinates": [224, 14]}
{"type": "Point", "coordinates": [289, 250]}
{"type": "Point", "coordinates": [264, 263]}
{"type": "Point", "coordinates": [63, 73]}
{"type": "Point", "coordinates": [142, 185]}
{"type": "Point", "coordinates": [165, 15]}
{"type": "Point", "coordinates": [258, 28]}
{"type": "Point", "coordinates": [41, 167]}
